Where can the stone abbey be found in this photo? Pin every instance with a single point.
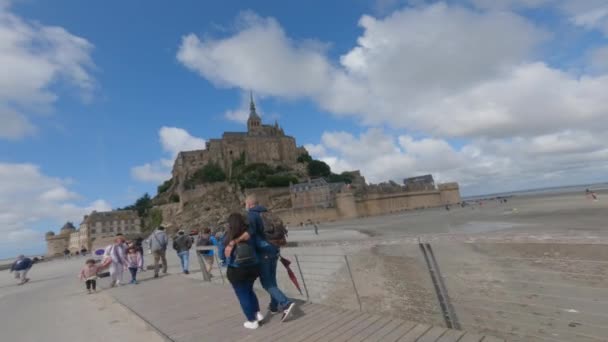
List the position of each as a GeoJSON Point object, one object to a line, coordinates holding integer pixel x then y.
{"type": "Point", "coordinates": [260, 144]}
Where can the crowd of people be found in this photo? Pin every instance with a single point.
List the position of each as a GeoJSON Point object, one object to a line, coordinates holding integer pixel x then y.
{"type": "Point", "coordinates": [249, 248]}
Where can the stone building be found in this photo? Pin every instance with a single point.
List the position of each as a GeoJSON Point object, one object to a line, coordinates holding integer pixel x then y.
{"type": "Point", "coordinates": [314, 193]}
{"type": "Point", "coordinates": [420, 183]}
{"type": "Point", "coordinates": [98, 227]}
{"type": "Point", "coordinates": [260, 144]}
{"type": "Point", "coordinates": [109, 223]}
{"type": "Point", "coordinates": [56, 244]}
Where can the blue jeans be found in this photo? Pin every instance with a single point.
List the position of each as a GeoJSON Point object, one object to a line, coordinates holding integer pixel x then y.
{"type": "Point", "coordinates": [184, 258]}
{"type": "Point", "coordinates": [247, 298]}
{"type": "Point", "coordinates": [268, 278]}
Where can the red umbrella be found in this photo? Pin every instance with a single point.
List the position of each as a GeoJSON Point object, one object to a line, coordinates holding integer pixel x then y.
{"type": "Point", "coordinates": [292, 275]}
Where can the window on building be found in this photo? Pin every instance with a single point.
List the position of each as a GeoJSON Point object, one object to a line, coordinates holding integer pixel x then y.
{"type": "Point", "coordinates": [93, 231]}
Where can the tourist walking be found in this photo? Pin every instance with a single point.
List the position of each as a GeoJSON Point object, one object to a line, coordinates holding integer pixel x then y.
{"type": "Point", "coordinates": [206, 239]}
{"type": "Point", "coordinates": [139, 244]}
{"type": "Point", "coordinates": [88, 274]}
{"type": "Point", "coordinates": [182, 244]}
{"type": "Point", "coordinates": [157, 243]}
{"type": "Point", "coordinates": [66, 254]}
{"type": "Point", "coordinates": [134, 262]}
{"type": "Point", "coordinates": [237, 250]}
{"type": "Point", "coordinates": [116, 253]}
{"type": "Point", "coordinates": [21, 267]}
{"type": "Point", "coordinates": [269, 252]}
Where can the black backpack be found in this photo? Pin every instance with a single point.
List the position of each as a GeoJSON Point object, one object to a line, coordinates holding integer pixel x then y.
{"type": "Point", "coordinates": [275, 231]}
{"type": "Point", "coordinates": [244, 254]}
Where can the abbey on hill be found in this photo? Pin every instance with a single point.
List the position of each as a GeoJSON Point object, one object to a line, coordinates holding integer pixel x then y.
{"type": "Point", "coordinates": [261, 143]}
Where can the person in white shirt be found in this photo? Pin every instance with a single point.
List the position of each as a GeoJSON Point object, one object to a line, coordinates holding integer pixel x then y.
{"type": "Point", "coordinates": [117, 253]}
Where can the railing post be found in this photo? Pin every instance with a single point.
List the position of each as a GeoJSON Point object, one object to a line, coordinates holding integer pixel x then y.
{"type": "Point", "coordinates": [201, 261]}
{"type": "Point", "coordinates": [302, 277]}
{"type": "Point", "coordinates": [353, 281]}
{"type": "Point", "coordinates": [218, 263]}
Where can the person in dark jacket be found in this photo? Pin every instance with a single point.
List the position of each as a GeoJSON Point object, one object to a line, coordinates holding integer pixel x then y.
{"type": "Point", "coordinates": [242, 272]}
{"type": "Point", "coordinates": [21, 267]}
{"type": "Point", "coordinates": [182, 244]}
{"type": "Point", "coordinates": [269, 256]}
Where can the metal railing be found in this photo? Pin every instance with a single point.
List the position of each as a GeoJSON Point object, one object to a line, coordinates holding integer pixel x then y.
{"type": "Point", "coordinates": [522, 292]}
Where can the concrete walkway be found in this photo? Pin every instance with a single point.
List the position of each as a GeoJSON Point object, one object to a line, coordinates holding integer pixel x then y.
{"type": "Point", "coordinates": [182, 309]}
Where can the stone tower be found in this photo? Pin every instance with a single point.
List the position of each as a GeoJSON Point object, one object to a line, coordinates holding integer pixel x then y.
{"type": "Point", "coordinates": [254, 122]}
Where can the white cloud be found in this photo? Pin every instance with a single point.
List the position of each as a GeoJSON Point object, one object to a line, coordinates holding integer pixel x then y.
{"type": "Point", "coordinates": [501, 164]}
{"type": "Point", "coordinates": [151, 172]}
{"type": "Point", "coordinates": [444, 72]}
{"type": "Point", "coordinates": [599, 59]}
{"type": "Point", "coordinates": [271, 59]}
{"type": "Point", "coordinates": [34, 57]}
{"type": "Point", "coordinates": [590, 14]}
{"type": "Point", "coordinates": [173, 140]}
{"type": "Point", "coordinates": [31, 200]}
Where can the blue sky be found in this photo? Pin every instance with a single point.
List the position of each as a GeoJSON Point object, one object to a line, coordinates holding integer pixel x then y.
{"type": "Point", "coordinates": [497, 95]}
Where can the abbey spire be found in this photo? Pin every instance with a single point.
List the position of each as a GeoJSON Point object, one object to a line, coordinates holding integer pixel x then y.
{"type": "Point", "coordinates": [254, 120]}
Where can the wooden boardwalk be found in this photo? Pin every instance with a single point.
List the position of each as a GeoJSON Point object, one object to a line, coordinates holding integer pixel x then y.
{"type": "Point", "coordinates": [183, 310]}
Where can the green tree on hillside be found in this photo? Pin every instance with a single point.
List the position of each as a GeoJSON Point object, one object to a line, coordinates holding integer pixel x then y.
{"type": "Point", "coordinates": [164, 187]}
{"type": "Point", "coordinates": [318, 168]}
{"type": "Point", "coordinates": [210, 173]}
{"type": "Point", "coordinates": [304, 158]}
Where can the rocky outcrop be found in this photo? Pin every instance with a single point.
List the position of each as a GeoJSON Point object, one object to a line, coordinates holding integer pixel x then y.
{"type": "Point", "coordinates": [206, 205]}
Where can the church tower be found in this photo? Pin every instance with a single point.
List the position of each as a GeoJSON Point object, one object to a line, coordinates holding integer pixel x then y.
{"type": "Point", "coordinates": [254, 122]}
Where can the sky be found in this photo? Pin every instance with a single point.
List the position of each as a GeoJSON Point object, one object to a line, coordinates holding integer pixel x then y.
{"type": "Point", "coordinates": [97, 98]}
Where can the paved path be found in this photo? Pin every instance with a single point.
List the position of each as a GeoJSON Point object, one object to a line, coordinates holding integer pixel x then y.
{"type": "Point", "coordinates": [53, 307]}
{"type": "Point", "coordinates": [184, 309]}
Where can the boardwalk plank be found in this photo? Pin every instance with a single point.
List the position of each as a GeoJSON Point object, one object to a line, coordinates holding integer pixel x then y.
{"type": "Point", "coordinates": [387, 329]}
{"type": "Point", "coordinates": [379, 324]}
{"type": "Point", "coordinates": [356, 330]}
{"type": "Point", "coordinates": [470, 337]}
{"type": "Point", "coordinates": [432, 335]}
{"type": "Point", "coordinates": [308, 322]}
{"type": "Point", "coordinates": [187, 310]}
{"type": "Point", "coordinates": [402, 330]}
{"type": "Point", "coordinates": [451, 336]}
{"type": "Point", "coordinates": [415, 333]}
{"type": "Point", "coordinates": [337, 324]}
{"type": "Point", "coordinates": [344, 328]}
{"type": "Point", "coordinates": [273, 326]}
{"type": "Point", "coordinates": [314, 329]}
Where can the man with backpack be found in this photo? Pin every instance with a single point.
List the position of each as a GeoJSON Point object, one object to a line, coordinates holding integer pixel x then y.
{"type": "Point", "coordinates": [21, 266]}
{"type": "Point", "coordinates": [182, 244]}
{"type": "Point", "coordinates": [157, 243]}
{"type": "Point", "coordinates": [272, 234]}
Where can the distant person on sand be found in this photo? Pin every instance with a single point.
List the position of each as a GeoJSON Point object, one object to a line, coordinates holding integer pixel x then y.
{"type": "Point", "coordinates": [237, 251]}
{"type": "Point", "coordinates": [182, 244]}
{"type": "Point", "coordinates": [134, 262]}
{"type": "Point", "coordinates": [206, 239]}
{"type": "Point", "coordinates": [21, 267]}
{"type": "Point", "coordinates": [157, 243]}
{"type": "Point", "coordinates": [590, 194]}
{"type": "Point", "coordinates": [116, 253]}
{"type": "Point", "coordinates": [269, 252]}
{"type": "Point", "coordinates": [88, 274]}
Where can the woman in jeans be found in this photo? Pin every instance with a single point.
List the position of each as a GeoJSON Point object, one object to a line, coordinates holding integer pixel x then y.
{"type": "Point", "coordinates": [242, 274]}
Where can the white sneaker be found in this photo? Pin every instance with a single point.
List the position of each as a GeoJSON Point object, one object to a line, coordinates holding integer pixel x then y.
{"type": "Point", "coordinates": [287, 312]}
{"type": "Point", "coordinates": [251, 325]}
{"type": "Point", "coordinates": [259, 317]}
